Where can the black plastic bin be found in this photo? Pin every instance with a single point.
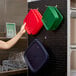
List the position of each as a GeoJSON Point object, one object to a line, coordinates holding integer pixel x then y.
{"type": "Point", "coordinates": [35, 55]}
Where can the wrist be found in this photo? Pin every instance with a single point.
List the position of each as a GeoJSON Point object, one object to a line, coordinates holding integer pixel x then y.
{"type": "Point", "coordinates": [20, 33]}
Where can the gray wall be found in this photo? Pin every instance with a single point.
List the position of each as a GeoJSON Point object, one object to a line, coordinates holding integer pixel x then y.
{"type": "Point", "coordinates": [12, 11]}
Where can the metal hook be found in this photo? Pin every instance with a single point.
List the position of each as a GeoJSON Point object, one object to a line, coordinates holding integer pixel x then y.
{"type": "Point", "coordinates": [29, 8]}
{"type": "Point", "coordinates": [56, 6]}
{"type": "Point", "coordinates": [33, 8]}
{"type": "Point", "coordinates": [46, 6]}
{"type": "Point", "coordinates": [37, 8]}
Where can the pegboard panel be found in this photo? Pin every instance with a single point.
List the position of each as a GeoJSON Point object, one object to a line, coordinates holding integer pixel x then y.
{"type": "Point", "coordinates": [54, 41]}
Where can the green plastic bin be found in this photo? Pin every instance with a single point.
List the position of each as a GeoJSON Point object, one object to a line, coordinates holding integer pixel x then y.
{"type": "Point", "coordinates": [52, 18]}
{"type": "Point", "coordinates": [11, 30]}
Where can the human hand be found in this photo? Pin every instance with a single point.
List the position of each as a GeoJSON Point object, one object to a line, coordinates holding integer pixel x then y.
{"type": "Point", "coordinates": [22, 30]}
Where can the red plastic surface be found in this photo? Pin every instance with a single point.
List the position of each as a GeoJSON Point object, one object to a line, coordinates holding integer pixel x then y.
{"type": "Point", "coordinates": [33, 22]}
{"type": "Point", "coordinates": [40, 24]}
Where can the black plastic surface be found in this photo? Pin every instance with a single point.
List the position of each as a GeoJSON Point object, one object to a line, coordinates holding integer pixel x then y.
{"type": "Point", "coordinates": [36, 55]}
{"type": "Point", "coordinates": [54, 41]}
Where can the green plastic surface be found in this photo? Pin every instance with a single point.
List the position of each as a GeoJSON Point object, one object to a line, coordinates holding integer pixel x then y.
{"type": "Point", "coordinates": [52, 18]}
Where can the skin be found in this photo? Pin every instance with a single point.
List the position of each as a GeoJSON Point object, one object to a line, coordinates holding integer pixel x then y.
{"type": "Point", "coordinates": [7, 45]}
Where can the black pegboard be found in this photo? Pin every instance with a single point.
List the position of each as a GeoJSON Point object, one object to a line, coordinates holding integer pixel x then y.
{"type": "Point", "coordinates": [54, 41]}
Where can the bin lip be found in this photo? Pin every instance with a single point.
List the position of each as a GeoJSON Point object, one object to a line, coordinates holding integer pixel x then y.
{"type": "Point", "coordinates": [60, 15]}
{"type": "Point", "coordinates": [45, 55]}
{"type": "Point", "coordinates": [59, 19]}
{"type": "Point", "coordinates": [40, 24]}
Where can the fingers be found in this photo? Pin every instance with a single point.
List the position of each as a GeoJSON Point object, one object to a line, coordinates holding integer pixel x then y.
{"type": "Point", "coordinates": [24, 23]}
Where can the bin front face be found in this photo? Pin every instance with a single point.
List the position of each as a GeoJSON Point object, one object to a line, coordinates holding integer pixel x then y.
{"type": "Point", "coordinates": [36, 55]}
{"type": "Point", "coordinates": [52, 18]}
{"type": "Point", "coordinates": [31, 21]}
{"type": "Point", "coordinates": [49, 18]}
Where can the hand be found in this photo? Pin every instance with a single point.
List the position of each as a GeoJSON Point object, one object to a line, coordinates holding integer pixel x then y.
{"type": "Point", "coordinates": [22, 30]}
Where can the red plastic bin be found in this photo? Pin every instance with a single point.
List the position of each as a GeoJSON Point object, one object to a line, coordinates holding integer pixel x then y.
{"type": "Point", "coordinates": [33, 22]}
